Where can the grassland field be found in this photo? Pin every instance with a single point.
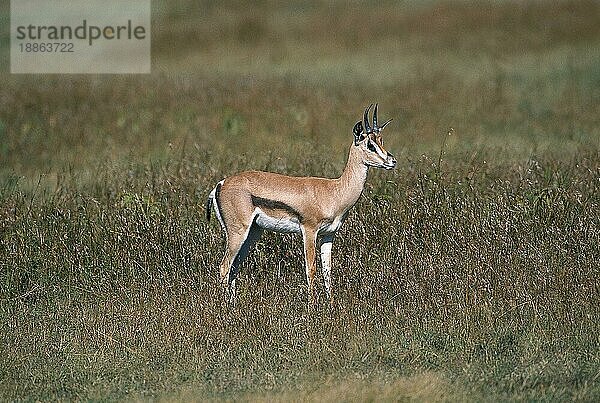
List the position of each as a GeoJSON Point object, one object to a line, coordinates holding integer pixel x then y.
{"type": "Point", "coordinates": [470, 272]}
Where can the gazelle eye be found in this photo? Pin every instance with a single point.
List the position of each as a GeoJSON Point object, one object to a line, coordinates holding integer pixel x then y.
{"type": "Point", "coordinates": [370, 146]}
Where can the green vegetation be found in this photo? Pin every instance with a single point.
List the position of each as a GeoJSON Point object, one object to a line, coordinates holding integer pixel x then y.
{"type": "Point", "coordinates": [468, 273]}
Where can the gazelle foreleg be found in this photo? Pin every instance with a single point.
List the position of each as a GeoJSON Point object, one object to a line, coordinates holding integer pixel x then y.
{"type": "Point", "coordinates": [309, 236]}
{"type": "Point", "coordinates": [326, 242]}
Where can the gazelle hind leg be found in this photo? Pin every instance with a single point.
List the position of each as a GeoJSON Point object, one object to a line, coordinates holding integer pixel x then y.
{"type": "Point", "coordinates": [238, 247]}
{"type": "Point", "coordinates": [234, 243]}
{"type": "Point", "coordinates": [253, 235]}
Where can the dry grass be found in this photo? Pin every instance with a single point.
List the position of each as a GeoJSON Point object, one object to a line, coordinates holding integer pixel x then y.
{"type": "Point", "coordinates": [473, 276]}
{"type": "Point", "coordinates": [427, 386]}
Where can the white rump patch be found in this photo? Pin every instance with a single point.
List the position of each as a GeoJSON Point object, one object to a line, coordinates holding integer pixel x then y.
{"type": "Point", "coordinates": [215, 203]}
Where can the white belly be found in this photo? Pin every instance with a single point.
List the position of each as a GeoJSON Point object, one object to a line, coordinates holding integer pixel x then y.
{"type": "Point", "coordinates": [286, 225]}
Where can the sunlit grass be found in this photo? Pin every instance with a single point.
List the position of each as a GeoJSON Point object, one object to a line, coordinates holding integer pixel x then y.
{"type": "Point", "coordinates": [469, 272]}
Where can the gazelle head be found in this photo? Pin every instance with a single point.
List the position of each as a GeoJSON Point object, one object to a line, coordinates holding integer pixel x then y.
{"type": "Point", "coordinates": [369, 142]}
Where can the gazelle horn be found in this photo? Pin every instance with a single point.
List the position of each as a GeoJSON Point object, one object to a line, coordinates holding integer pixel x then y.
{"type": "Point", "coordinates": [375, 128]}
{"type": "Point", "coordinates": [384, 125]}
{"type": "Point", "coordinates": [368, 128]}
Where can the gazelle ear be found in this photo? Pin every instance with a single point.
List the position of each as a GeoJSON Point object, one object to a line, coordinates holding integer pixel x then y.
{"type": "Point", "coordinates": [358, 132]}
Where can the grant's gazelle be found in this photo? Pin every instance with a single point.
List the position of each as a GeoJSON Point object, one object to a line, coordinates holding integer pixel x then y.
{"type": "Point", "coordinates": [250, 202]}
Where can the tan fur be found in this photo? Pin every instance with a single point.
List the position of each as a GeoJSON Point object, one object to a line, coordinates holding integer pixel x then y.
{"type": "Point", "coordinates": [318, 205]}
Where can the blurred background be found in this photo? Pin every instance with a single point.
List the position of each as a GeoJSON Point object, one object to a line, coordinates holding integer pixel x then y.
{"type": "Point", "coordinates": [470, 272]}
{"type": "Point", "coordinates": [293, 77]}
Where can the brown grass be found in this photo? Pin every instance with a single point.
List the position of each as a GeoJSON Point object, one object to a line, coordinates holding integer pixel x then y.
{"type": "Point", "coordinates": [468, 273]}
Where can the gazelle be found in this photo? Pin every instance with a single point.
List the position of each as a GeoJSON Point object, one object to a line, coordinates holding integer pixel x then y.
{"type": "Point", "coordinates": [249, 202]}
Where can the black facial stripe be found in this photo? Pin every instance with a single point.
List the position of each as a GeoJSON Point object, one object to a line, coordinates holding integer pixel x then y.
{"type": "Point", "coordinates": [275, 205]}
{"type": "Point", "coordinates": [371, 147]}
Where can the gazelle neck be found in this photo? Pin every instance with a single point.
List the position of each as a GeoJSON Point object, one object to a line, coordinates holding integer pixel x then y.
{"type": "Point", "coordinates": [352, 180]}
